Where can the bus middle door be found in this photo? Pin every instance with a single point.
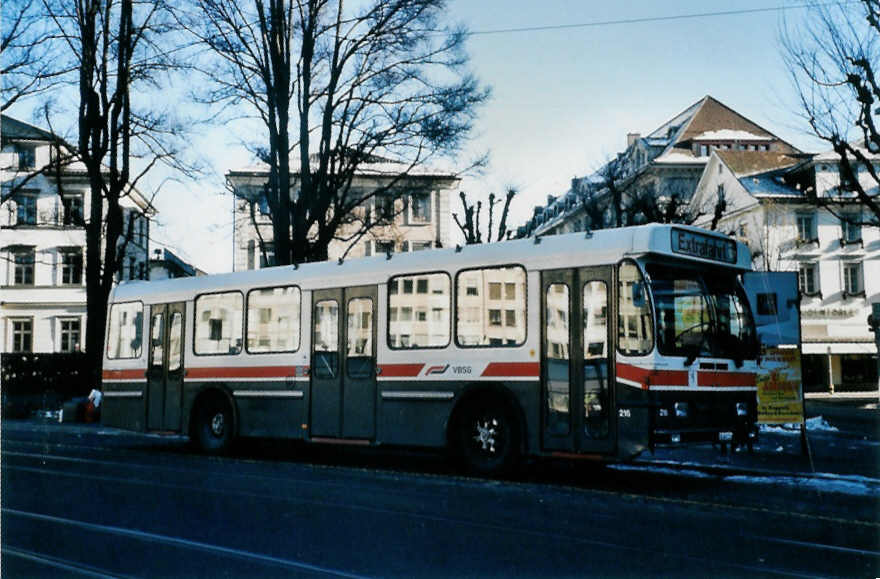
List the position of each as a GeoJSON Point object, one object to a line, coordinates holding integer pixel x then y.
{"type": "Point", "coordinates": [343, 368]}
{"type": "Point", "coordinates": [577, 360]}
{"type": "Point", "coordinates": [165, 371]}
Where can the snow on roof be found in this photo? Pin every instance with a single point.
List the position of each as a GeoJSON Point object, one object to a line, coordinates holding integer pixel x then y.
{"type": "Point", "coordinates": [384, 168]}
{"type": "Point", "coordinates": [676, 156]}
{"type": "Point", "coordinates": [768, 185]}
{"type": "Point", "coordinates": [831, 156]}
{"type": "Point", "coordinates": [731, 135]}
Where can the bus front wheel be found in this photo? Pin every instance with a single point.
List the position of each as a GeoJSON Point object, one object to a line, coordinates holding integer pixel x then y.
{"type": "Point", "coordinates": [486, 437]}
{"type": "Point", "coordinates": [213, 428]}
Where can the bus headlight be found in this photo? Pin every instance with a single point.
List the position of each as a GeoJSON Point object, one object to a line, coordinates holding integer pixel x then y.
{"type": "Point", "coordinates": [681, 409]}
{"type": "Point", "coordinates": [663, 412]}
{"type": "Point", "coordinates": [742, 409]}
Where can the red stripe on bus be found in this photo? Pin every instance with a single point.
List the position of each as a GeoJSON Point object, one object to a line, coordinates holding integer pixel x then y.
{"type": "Point", "coordinates": [726, 379]}
{"type": "Point", "coordinates": [123, 374]}
{"type": "Point", "coordinates": [531, 369]}
{"type": "Point", "coordinates": [400, 370]}
{"type": "Point", "coordinates": [647, 377]}
{"type": "Point", "coordinates": [243, 372]}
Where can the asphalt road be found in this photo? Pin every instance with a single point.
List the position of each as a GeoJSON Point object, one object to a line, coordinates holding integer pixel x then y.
{"type": "Point", "coordinates": [89, 501]}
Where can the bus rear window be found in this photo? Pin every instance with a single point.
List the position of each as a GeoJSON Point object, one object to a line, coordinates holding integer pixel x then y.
{"type": "Point", "coordinates": [125, 330]}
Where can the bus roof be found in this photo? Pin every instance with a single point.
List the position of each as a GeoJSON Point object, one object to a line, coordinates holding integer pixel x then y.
{"type": "Point", "coordinates": [557, 251]}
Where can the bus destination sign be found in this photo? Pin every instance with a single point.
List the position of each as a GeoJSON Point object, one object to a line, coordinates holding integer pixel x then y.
{"type": "Point", "coordinates": [703, 246]}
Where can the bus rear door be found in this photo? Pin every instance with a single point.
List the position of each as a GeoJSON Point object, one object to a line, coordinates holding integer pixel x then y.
{"type": "Point", "coordinates": [165, 370]}
{"type": "Point", "coordinates": [343, 368]}
{"type": "Point", "coordinates": [577, 360]}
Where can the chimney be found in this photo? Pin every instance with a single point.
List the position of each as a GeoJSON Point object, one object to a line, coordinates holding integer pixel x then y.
{"type": "Point", "coordinates": [550, 200]}
{"type": "Point", "coordinates": [632, 138]}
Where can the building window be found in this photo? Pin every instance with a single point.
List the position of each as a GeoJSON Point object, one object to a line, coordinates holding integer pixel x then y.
{"type": "Point", "coordinates": [384, 247]}
{"type": "Point", "coordinates": [73, 212]}
{"type": "Point", "coordinates": [421, 208]}
{"type": "Point", "coordinates": [421, 245]}
{"type": "Point", "coordinates": [851, 229]}
{"type": "Point", "coordinates": [26, 209]}
{"type": "Point", "coordinates": [852, 279]}
{"type": "Point", "coordinates": [384, 208]}
{"type": "Point", "coordinates": [22, 335]}
{"type": "Point", "coordinates": [251, 253]}
{"type": "Point", "coordinates": [71, 267]}
{"type": "Point", "coordinates": [808, 281]}
{"type": "Point", "coordinates": [806, 228]}
{"type": "Point", "coordinates": [24, 267]}
{"type": "Point", "coordinates": [70, 331]}
{"type": "Point", "coordinates": [27, 158]}
{"type": "Point", "coordinates": [267, 256]}
{"type": "Point", "coordinates": [132, 267]}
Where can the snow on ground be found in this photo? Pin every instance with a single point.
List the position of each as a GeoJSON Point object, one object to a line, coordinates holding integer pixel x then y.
{"type": "Point", "coordinates": [853, 485]}
{"type": "Point", "coordinates": [833, 483]}
{"type": "Point", "coordinates": [814, 424]}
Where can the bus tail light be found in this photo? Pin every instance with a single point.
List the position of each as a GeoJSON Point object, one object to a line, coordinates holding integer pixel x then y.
{"type": "Point", "coordinates": [681, 409]}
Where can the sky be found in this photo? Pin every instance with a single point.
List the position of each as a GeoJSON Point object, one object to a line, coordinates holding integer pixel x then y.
{"type": "Point", "coordinates": [563, 99]}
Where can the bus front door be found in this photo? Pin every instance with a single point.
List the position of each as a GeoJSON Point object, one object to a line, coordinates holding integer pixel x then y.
{"type": "Point", "coordinates": [577, 360]}
{"type": "Point", "coordinates": [343, 368]}
{"type": "Point", "coordinates": [165, 370]}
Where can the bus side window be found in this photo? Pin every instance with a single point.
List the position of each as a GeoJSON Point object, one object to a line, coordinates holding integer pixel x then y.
{"type": "Point", "coordinates": [326, 359]}
{"type": "Point", "coordinates": [635, 329]}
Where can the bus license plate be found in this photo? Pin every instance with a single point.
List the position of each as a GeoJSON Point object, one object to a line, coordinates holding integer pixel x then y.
{"type": "Point", "coordinates": [725, 436]}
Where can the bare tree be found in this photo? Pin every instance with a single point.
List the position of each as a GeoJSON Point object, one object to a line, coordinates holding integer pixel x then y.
{"type": "Point", "coordinates": [664, 204]}
{"type": "Point", "coordinates": [31, 63]}
{"type": "Point", "coordinates": [469, 223]}
{"type": "Point", "coordinates": [833, 58]}
{"type": "Point", "coordinates": [119, 137]}
{"type": "Point", "coordinates": [339, 89]}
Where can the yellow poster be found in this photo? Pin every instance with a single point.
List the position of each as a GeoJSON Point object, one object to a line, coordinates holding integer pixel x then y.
{"type": "Point", "coordinates": [779, 387]}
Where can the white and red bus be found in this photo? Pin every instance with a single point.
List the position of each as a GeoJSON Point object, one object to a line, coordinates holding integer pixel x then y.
{"type": "Point", "coordinates": [592, 345]}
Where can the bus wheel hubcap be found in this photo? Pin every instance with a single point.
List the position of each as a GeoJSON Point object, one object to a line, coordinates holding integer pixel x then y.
{"type": "Point", "coordinates": [486, 431]}
{"type": "Point", "coordinates": [217, 424]}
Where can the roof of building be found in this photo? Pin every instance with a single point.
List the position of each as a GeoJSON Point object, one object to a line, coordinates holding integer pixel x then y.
{"type": "Point", "coordinates": [743, 163]}
{"type": "Point", "coordinates": [13, 129]}
{"type": "Point", "coordinates": [769, 185]}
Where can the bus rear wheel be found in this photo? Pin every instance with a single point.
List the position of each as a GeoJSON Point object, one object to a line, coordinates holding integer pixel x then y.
{"type": "Point", "coordinates": [486, 437]}
{"type": "Point", "coordinates": [213, 427]}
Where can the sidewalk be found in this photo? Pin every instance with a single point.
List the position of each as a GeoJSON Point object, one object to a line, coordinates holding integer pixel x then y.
{"type": "Point", "coordinates": [843, 440]}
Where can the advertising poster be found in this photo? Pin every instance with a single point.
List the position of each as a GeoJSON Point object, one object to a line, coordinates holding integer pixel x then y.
{"type": "Point", "coordinates": [779, 386]}
{"type": "Point", "coordinates": [774, 300]}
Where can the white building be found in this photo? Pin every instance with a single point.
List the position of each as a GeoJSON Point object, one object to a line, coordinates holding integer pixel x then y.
{"type": "Point", "coordinates": [668, 161]}
{"type": "Point", "coordinates": [833, 248]}
{"type": "Point", "coordinates": [43, 244]}
{"type": "Point", "coordinates": [419, 211]}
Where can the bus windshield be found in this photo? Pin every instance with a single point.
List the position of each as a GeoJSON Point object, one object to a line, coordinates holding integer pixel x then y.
{"type": "Point", "coordinates": [701, 313]}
